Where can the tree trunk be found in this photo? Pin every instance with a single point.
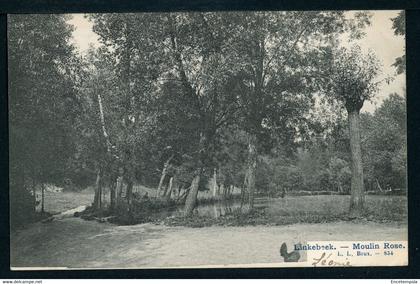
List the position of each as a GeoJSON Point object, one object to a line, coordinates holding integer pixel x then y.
{"type": "Point", "coordinates": [102, 119]}
{"type": "Point", "coordinates": [33, 191]}
{"type": "Point", "coordinates": [129, 180]}
{"type": "Point", "coordinates": [42, 197]}
{"type": "Point", "coordinates": [129, 192]}
{"type": "Point", "coordinates": [340, 188]}
{"type": "Point", "coordinates": [243, 193]}
{"type": "Point", "coordinates": [162, 178]}
{"type": "Point", "coordinates": [118, 187]}
{"type": "Point", "coordinates": [163, 175]}
{"type": "Point", "coordinates": [250, 173]}
{"type": "Point", "coordinates": [165, 191]}
{"type": "Point", "coordinates": [112, 194]}
{"type": "Point", "coordinates": [214, 183]}
{"type": "Point", "coordinates": [97, 203]}
{"type": "Point", "coordinates": [178, 192]}
{"type": "Point", "coordinates": [379, 186]}
{"type": "Point", "coordinates": [230, 192]}
{"type": "Point", "coordinates": [169, 190]}
{"type": "Point", "coordinates": [357, 184]}
{"type": "Point", "coordinates": [98, 191]}
{"type": "Point", "coordinates": [191, 200]}
{"type": "Point", "coordinates": [183, 196]}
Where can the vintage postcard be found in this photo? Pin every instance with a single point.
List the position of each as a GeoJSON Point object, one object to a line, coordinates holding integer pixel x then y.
{"type": "Point", "coordinates": [207, 139]}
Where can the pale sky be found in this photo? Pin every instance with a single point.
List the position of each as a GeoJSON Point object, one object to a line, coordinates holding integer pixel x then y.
{"type": "Point", "coordinates": [83, 34]}
{"type": "Point", "coordinates": [379, 38]}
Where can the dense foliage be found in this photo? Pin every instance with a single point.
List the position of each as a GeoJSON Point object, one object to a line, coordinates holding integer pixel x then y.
{"type": "Point", "coordinates": [189, 102]}
{"type": "Point", "coordinates": [43, 75]}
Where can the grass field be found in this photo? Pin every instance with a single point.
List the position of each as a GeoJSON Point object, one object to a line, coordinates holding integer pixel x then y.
{"type": "Point", "coordinates": [392, 207]}
{"type": "Point", "coordinates": [56, 202]}
{"type": "Point", "coordinates": [383, 207]}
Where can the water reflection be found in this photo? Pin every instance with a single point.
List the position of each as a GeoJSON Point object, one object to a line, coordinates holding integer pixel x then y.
{"type": "Point", "coordinates": [226, 207]}
{"type": "Point", "coordinates": [215, 209]}
{"type": "Point", "coordinates": [320, 204]}
{"type": "Point", "coordinates": [218, 208]}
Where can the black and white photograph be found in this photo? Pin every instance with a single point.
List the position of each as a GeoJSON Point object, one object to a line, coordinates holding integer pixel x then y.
{"type": "Point", "coordinates": [207, 139]}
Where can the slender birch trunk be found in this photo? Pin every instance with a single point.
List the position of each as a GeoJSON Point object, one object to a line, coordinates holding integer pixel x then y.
{"type": "Point", "coordinates": [97, 200]}
{"type": "Point", "coordinates": [102, 118]}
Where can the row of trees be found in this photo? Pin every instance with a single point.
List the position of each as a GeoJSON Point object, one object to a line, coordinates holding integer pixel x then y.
{"type": "Point", "coordinates": [43, 105]}
{"type": "Point", "coordinates": [323, 162]}
{"type": "Point", "coordinates": [182, 94]}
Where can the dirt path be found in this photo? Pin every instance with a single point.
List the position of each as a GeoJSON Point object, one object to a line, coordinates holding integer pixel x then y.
{"type": "Point", "coordinates": [75, 243]}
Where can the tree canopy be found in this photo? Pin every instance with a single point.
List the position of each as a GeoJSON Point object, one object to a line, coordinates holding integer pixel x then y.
{"type": "Point", "coordinates": [201, 101]}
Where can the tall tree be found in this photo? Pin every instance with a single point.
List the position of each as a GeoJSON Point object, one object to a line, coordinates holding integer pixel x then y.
{"type": "Point", "coordinates": [203, 64]}
{"type": "Point", "coordinates": [132, 43]}
{"type": "Point", "coordinates": [95, 123]}
{"type": "Point", "coordinates": [274, 52]}
{"type": "Point", "coordinates": [42, 96]}
{"type": "Point", "coordinates": [248, 69]}
{"type": "Point", "coordinates": [351, 78]}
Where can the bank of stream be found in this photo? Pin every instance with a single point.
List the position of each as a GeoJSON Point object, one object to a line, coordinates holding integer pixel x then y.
{"type": "Point", "coordinates": [267, 211]}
